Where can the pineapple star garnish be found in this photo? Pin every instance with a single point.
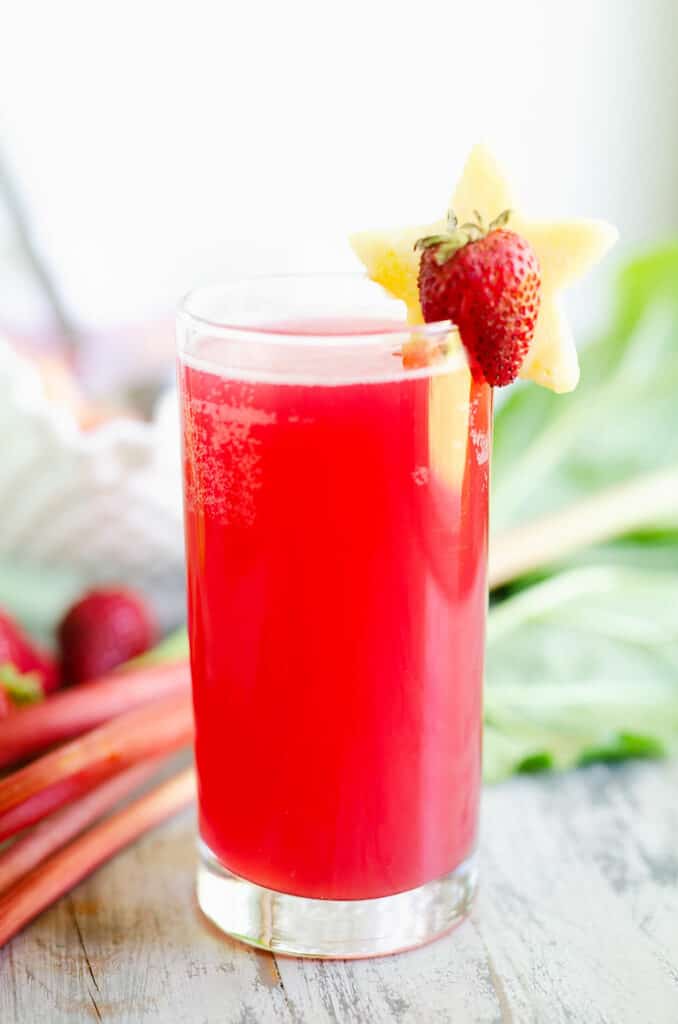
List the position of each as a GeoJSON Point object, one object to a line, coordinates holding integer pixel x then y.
{"type": "Point", "coordinates": [566, 250]}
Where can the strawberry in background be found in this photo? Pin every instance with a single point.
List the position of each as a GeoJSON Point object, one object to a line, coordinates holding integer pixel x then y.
{"type": "Point", "coordinates": [105, 628]}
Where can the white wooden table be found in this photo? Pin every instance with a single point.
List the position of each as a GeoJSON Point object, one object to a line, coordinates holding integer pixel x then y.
{"type": "Point", "coordinates": [577, 921]}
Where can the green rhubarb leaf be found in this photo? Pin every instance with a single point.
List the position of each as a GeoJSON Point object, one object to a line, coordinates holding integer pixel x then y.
{"type": "Point", "coordinates": [624, 746]}
{"type": "Point", "coordinates": [534, 763]}
{"type": "Point", "coordinates": [582, 667]}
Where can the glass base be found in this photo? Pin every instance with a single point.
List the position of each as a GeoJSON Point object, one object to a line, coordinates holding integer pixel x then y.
{"type": "Point", "coordinates": [344, 929]}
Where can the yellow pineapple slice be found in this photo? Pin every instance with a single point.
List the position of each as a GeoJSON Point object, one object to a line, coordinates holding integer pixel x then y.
{"type": "Point", "coordinates": [565, 250]}
{"type": "Point", "coordinates": [391, 261]}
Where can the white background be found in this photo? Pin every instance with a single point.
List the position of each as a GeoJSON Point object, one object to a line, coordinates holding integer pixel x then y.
{"type": "Point", "coordinates": [161, 144]}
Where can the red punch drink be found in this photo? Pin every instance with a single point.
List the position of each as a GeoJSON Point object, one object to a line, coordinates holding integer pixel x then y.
{"type": "Point", "coordinates": [336, 532]}
{"type": "Point", "coordinates": [337, 433]}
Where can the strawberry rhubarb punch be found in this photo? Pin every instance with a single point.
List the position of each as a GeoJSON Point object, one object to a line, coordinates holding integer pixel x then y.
{"type": "Point", "coordinates": [336, 440]}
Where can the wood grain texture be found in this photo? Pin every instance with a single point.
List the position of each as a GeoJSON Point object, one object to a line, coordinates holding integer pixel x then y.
{"type": "Point", "coordinates": [577, 921]}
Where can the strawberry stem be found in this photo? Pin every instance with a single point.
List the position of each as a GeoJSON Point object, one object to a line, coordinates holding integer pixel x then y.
{"type": "Point", "coordinates": [21, 687]}
{"type": "Point", "coordinates": [501, 221]}
{"type": "Point", "coordinates": [455, 238]}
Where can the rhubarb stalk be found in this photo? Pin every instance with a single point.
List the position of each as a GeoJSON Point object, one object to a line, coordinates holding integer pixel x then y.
{"type": "Point", "coordinates": [614, 512]}
{"type": "Point", "coordinates": [72, 712]}
{"type": "Point", "coordinates": [29, 794]}
{"type": "Point", "coordinates": [46, 883]}
{"type": "Point", "coordinates": [59, 828]}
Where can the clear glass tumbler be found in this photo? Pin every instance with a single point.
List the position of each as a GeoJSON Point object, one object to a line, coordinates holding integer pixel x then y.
{"type": "Point", "coordinates": [336, 488]}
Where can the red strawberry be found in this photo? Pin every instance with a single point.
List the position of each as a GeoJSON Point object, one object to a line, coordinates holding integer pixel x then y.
{"type": "Point", "coordinates": [17, 650]}
{"type": "Point", "coordinates": [488, 283]}
{"type": "Point", "coordinates": [5, 705]}
{"type": "Point", "coordinates": [104, 629]}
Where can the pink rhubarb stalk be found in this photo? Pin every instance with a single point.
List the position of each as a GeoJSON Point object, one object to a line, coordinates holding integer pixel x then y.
{"type": "Point", "coordinates": [64, 869]}
{"type": "Point", "coordinates": [59, 828]}
{"type": "Point", "coordinates": [63, 775]}
{"type": "Point", "coordinates": [72, 712]}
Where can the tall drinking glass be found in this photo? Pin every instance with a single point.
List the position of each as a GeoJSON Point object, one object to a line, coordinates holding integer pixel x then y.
{"type": "Point", "coordinates": [336, 490]}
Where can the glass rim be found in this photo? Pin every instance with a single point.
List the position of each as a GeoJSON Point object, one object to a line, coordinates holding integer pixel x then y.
{"type": "Point", "coordinates": [269, 336]}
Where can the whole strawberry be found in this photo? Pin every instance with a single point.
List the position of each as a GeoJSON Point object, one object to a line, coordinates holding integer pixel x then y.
{"type": "Point", "coordinates": [104, 629]}
{"type": "Point", "coordinates": [487, 281]}
{"type": "Point", "coordinates": [20, 652]}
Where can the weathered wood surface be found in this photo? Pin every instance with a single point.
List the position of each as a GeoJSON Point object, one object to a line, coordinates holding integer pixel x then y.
{"type": "Point", "coordinates": [577, 921]}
